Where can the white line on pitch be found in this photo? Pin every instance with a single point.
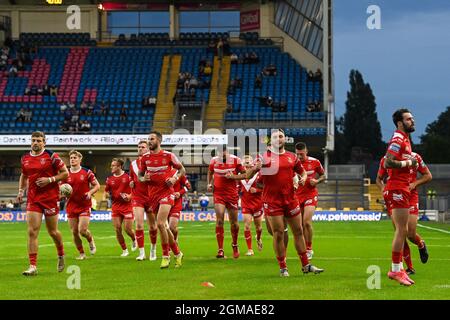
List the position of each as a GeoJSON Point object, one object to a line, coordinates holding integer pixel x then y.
{"type": "Point", "coordinates": [435, 229]}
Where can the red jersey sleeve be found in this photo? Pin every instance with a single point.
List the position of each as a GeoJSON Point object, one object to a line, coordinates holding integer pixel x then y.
{"type": "Point", "coordinates": [422, 167]}
{"type": "Point", "coordinates": [239, 167]}
{"type": "Point", "coordinates": [211, 165]}
{"type": "Point", "coordinates": [185, 185]}
{"type": "Point", "coordinates": [91, 176]}
{"type": "Point", "coordinates": [395, 148]}
{"type": "Point", "coordinates": [175, 162]}
{"type": "Point", "coordinates": [382, 172]}
{"type": "Point", "coordinates": [107, 187]}
{"type": "Point", "coordinates": [57, 162]}
{"type": "Point", "coordinates": [298, 166]}
{"type": "Point", "coordinates": [319, 169]}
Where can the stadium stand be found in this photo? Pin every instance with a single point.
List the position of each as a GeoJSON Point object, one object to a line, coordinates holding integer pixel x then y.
{"type": "Point", "coordinates": [120, 77]}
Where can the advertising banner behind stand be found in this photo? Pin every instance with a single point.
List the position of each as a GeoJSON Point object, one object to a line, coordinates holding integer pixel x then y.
{"type": "Point", "coordinates": [250, 20]}
{"type": "Point", "coordinates": [341, 216]}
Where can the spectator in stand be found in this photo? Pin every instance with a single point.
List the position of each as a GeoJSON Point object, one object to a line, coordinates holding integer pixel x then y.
{"type": "Point", "coordinates": [10, 205]}
{"type": "Point", "coordinates": [258, 81]}
{"type": "Point", "coordinates": [207, 71]}
{"type": "Point", "coordinates": [46, 90]}
{"type": "Point", "coordinates": [104, 109]}
{"type": "Point", "coordinates": [270, 70]}
{"type": "Point", "coordinates": [28, 115]}
{"type": "Point", "coordinates": [13, 71]}
{"type": "Point", "coordinates": [63, 107]}
{"type": "Point", "coordinates": [152, 102]}
{"type": "Point", "coordinates": [90, 108]}
{"type": "Point", "coordinates": [123, 113]}
{"type": "Point", "coordinates": [83, 108]}
{"type": "Point", "coordinates": [3, 205]}
{"type": "Point", "coordinates": [234, 58]}
{"type": "Point", "coordinates": [211, 47]}
{"type": "Point", "coordinates": [65, 126]}
{"type": "Point", "coordinates": [53, 90]}
{"type": "Point", "coordinates": [20, 115]}
{"type": "Point", "coordinates": [3, 65]}
{"type": "Point", "coordinates": [310, 75]}
{"type": "Point", "coordinates": [193, 82]}
{"type": "Point", "coordinates": [85, 126]}
{"type": "Point", "coordinates": [318, 75]}
{"type": "Point", "coordinates": [253, 58]}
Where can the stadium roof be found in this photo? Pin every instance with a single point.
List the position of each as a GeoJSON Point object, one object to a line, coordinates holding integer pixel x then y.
{"type": "Point", "coordinates": [81, 2]}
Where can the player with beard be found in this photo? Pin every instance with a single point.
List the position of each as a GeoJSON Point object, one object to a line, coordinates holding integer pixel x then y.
{"type": "Point", "coordinates": [155, 168]}
{"type": "Point", "coordinates": [224, 170]}
{"type": "Point", "coordinates": [397, 191]}
{"type": "Point", "coordinates": [277, 167]}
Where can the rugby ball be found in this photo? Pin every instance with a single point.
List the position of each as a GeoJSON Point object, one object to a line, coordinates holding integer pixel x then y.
{"type": "Point", "coordinates": [65, 190]}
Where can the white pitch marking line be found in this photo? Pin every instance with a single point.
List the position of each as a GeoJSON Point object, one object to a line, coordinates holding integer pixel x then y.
{"type": "Point", "coordinates": [435, 229]}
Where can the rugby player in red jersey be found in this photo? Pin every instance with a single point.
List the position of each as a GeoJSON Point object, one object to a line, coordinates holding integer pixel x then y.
{"type": "Point", "coordinates": [412, 234]}
{"type": "Point", "coordinates": [251, 203]}
{"type": "Point", "coordinates": [277, 167]}
{"type": "Point", "coordinates": [224, 170]}
{"type": "Point", "coordinates": [155, 167]}
{"type": "Point", "coordinates": [118, 188]}
{"type": "Point", "coordinates": [84, 186]}
{"type": "Point", "coordinates": [397, 191]}
{"type": "Point", "coordinates": [42, 169]}
{"type": "Point", "coordinates": [180, 188]}
{"type": "Point", "coordinates": [307, 194]}
{"type": "Point", "coordinates": [141, 206]}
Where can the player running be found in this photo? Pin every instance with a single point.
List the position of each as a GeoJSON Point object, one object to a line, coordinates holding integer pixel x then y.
{"type": "Point", "coordinates": [42, 169]}
{"type": "Point", "coordinates": [412, 235]}
{"type": "Point", "coordinates": [277, 167]}
{"type": "Point", "coordinates": [141, 205]}
{"type": "Point", "coordinates": [397, 191]}
{"type": "Point", "coordinates": [118, 188]}
{"type": "Point", "coordinates": [84, 186]}
{"type": "Point", "coordinates": [155, 167]}
{"type": "Point", "coordinates": [224, 170]}
{"type": "Point", "coordinates": [307, 194]}
{"type": "Point", "coordinates": [251, 203]}
{"type": "Point", "coordinates": [180, 188]}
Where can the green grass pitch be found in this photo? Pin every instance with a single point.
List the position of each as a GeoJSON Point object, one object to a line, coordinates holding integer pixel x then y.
{"type": "Point", "coordinates": [345, 250]}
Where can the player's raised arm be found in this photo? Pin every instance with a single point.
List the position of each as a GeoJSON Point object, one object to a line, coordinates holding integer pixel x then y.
{"type": "Point", "coordinates": [95, 186]}
{"type": "Point", "coordinates": [426, 175]}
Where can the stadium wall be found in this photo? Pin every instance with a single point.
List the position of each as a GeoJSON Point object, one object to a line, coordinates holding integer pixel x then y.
{"type": "Point", "coordinates": [49, 19]}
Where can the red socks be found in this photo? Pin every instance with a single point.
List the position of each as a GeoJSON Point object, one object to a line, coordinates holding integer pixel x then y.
{"type": "Point", "coordinates": [282, 262]}
{"type": "Point", "coordinates": [165, 249]}
{"type": "Point", "coordinates": [140, 238]}
{"type": "Point", "coordinates": [174, 248]}
{"type": "Point", "coordinates": [33, 258]}
{"type": "Point", "coordinates": [234, 234]}
{"type": "Point", "coordinates": [60, 250]}
{"type": "Point", "coordinates": [153, 236]}
{"type": "Point", "coordinates": [258, 234]}
{"type": "Point", "coordinates": [396, 257]}
{"type": "Point", "coordinates": [304, 258]}
{"type": "Point", "coordinates": [418, 241]}
{"type": "Point", "coordinates": [219, 237]}
{"type": "Point", "coordinates": [80, 250]}
{"type": "Point", "coordinates": [407, 255]}
{"type": "Point", "coordinates": [248, 238]}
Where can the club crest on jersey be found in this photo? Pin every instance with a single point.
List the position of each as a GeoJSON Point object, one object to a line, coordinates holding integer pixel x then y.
{"type": "Point", "coordinates": [42, 161]}
{"type": "Point", "coordinates": [82, 178]}
{"type": "Point", "coordinates": [124, 180]}
{"type": "Point", "coordinates": [394, 147]}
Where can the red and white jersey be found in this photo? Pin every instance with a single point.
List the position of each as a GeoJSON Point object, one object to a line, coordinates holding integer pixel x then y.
{"type": "Point", "coordinates": [80, 181]}
{"type": "Point", "coordinates": [313, 168]}
{"type": "Point", "coordinates": [276, 174]}
{"type": "Point", "coordinates": [46, 164]}
{"type": "Point", "coordinates": [421, 167]}
{"type": "Point", "coordinates": [252, 201]}
{"type": "Point", "coordinates": [182, 186]}
{"type": "Point", "coordinates": [140, 190]}
{"type": "Point", "coordinates": [223, 186]}
{"type": "Point", "coordinates": [116, 185]}
{"type": "Point", "coordinates": [400, 147]}
{"type": "Point", "coordinates": [159, 166]}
